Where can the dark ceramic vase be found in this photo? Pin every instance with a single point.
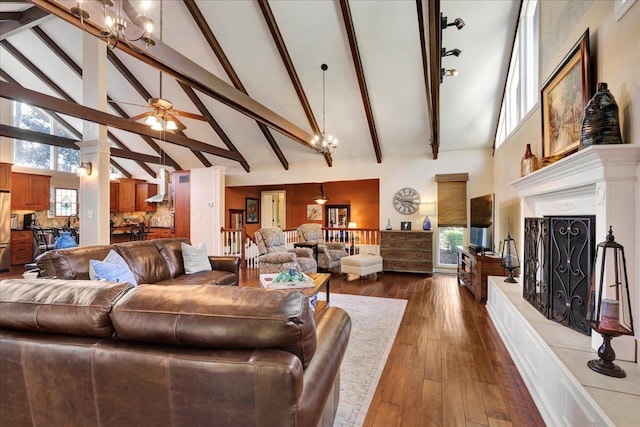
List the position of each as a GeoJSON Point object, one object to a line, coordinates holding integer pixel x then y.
{"type": "Point", "coordinates": [601, 124]}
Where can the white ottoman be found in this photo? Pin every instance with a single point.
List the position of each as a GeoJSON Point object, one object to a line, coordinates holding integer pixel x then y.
{"type": "Point", "coordinates": [361, 264]}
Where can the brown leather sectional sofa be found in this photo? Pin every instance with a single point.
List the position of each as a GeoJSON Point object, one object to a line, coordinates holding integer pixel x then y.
{"type": "Point", "coordinates": [151, 261]}
{"type": "Point", "coordinates": [89, 353]}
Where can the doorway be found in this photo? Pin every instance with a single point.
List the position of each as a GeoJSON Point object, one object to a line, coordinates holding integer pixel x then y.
{"type": "Point", "coordinates": [338, 216]}
{"type": "Point", "coordinates": [236, 219]}
{"type": "Point", "coordinates": [273, 209]}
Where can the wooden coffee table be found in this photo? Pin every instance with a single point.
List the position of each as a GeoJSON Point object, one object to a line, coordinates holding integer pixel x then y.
{"type": "Point", "coordinates": [322, 283]}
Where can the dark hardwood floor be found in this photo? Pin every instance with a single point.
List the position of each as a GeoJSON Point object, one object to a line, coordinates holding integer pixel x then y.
{"type": "Point", "coordinates": [448, 365]}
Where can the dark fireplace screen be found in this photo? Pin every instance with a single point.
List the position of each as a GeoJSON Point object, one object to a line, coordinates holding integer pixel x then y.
{"type": "Point", "coordinates": [558, 261]}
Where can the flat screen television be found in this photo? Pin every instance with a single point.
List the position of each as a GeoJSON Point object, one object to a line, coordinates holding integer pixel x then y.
{"type": "Point", "coordinates": [481, 225]}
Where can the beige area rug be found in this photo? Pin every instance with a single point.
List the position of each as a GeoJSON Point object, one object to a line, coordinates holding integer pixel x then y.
{"type": "Point", "coordinates": [374, 324]}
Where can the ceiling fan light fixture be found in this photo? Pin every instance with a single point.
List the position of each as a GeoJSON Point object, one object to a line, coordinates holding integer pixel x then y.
{"type": "Point", "coordinates": [157, 126]}
{"type": "Point", "coordinates": [151, 120]}
{"type": "Point", "coordinates": [171, 125]}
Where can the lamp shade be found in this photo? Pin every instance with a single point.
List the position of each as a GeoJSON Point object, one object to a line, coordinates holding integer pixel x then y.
{"type": "Point", "coordinates": [427, 208]}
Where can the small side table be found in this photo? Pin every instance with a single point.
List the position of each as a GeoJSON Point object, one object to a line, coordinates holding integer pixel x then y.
{"type": "Point", "coordinates": [313, 246]}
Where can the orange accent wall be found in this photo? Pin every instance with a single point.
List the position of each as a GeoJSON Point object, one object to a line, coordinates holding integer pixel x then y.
{"type": "Point", "coordinates": [362, 195]}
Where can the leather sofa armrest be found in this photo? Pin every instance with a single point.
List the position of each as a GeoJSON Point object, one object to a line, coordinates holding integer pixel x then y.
{"type": "Point", "coordinates": [333, 329]}
{"type": "Point", "coordinates": [226, 263]}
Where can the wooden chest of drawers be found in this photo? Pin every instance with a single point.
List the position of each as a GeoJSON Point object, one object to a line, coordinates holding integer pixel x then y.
{"type": "Point", "coordinates": [407, 251]}
{"type": "Point", "coordinates": [21, 247]}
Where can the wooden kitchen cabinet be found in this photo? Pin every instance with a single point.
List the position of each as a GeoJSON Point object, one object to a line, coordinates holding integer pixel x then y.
{"type": "Point", "coordinates": [5, 176]}
{"type": "Point", "coordinates": [126, 195]}
{"type": "Point", "coordinates": [30, 192]}
{"type": "Point", "coordinates": [21, 247]}
{"type": "Point", "coordinates": [160, 233]}
{"type": "Point", "coordinates": [180, 200]}
{"type": "Point", "coordinates": [114, 191]}
{"type": "Point", "coordinates": [145, 190]}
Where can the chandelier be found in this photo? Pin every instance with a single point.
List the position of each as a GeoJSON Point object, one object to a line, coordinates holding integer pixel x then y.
{"type": "Point", "coordinates": [115, 23]}
{"type": "Point", "coordinates": [324, 143]}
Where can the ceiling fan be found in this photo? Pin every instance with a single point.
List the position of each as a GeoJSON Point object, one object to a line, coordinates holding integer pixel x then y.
{"type": "Point", "coordinates": [162, 116]}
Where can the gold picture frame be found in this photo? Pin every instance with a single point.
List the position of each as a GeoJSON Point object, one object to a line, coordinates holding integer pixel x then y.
{"type": "Point", "coordinates": [563, 98]}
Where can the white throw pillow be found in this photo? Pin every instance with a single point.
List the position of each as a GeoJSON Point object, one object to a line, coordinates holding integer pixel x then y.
{"type": "Point", "coordinates": [195, 258]}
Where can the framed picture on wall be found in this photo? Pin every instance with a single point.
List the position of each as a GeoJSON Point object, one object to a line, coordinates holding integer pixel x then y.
{"type": "Point", "coordinates": [564, 96]}
{"type": "Point", "coordinates": [314, 212]}
{"type": "Point", "coordinates": [253, 210]}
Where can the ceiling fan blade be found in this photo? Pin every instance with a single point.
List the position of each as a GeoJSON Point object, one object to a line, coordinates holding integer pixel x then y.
{"type": "Point", "coordinates": [140, 116]}
{"type": "Point", "coordinates": [113, 101]}
{"type": "Point", "coordinates": [190, 115]}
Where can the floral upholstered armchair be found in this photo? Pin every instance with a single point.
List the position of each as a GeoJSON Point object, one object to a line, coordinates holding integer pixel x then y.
{"type": "Point", "coordinates": [329, 253]}
{"type": "Point", "coordinates": [275, 257]}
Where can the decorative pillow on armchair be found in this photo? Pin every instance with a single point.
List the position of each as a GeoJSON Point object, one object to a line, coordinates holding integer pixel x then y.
{"type": "Point", "coordinates": [195, 258]}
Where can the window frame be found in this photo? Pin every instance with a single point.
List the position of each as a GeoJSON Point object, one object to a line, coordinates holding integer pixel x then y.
{"type": "Point", "coordinates": [55, 128]}
{"type": "Point", "coordinates": [74, 210]}
{"type": "Point", "coordinates": [521, 93]}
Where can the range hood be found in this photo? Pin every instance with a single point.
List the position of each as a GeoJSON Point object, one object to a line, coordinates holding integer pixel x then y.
{"type": "Point", "coordinates": [163, 188]}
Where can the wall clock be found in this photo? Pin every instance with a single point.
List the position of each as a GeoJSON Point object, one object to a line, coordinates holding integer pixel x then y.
{"type": "Point", "coordinates": [406, 201]}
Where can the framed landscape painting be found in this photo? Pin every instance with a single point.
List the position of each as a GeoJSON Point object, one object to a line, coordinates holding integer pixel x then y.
{"type": "Point", "coordinates": [253, 210]}
{"type": "Point", "coordinates": [564, 96]}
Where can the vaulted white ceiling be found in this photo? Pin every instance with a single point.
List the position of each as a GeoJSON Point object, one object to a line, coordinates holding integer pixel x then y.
{"type": "Point", "coordinates": [314, 33]}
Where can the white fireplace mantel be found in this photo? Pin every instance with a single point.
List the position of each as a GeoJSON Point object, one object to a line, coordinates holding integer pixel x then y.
{"type": "Point", "coordinates": [602, 181]}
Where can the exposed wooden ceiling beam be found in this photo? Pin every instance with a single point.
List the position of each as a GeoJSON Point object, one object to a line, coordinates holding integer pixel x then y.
{"type": "Point", "coordinates": [61, 141]}
{"type": "Point", "coordinates": [170, 61]}
{"type": "Point", "coordinates": [14, 92]}
{"type": "Point", "coordinates": [60, 53]}
{"type": "Point", "coordinates": [144, 93]}
{"type": "Point", "coordinates": [57, 89]}
{"type": "Point", "coordinates": [435, 56]}
{"type": "Point", "coordinates": [425, 68]}
{"type": "Point", "coordinates": [10, 16]}
{"type": "Point", "coordinates": [44, 37]}
{"type": "Point", "coordinates": [28, 18]}
{"type": "Point", "coordinates": [357, 63]}
{"type": "Point", "coordinates": [207, 33]}
{"type": "Point", "coordinates": [288, 63]}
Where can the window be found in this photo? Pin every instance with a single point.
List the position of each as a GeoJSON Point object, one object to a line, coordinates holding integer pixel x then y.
{"type": "Point", "coordinates": [66, 202]}
{"type": "Point", "coordinates": [452, 216]}
{"type": "Point", "coordinates": [521, 91]}
{"type": "Point", "coordinates": [42, 156]}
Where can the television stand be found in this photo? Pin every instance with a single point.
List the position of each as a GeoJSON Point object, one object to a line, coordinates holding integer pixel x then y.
{"type": "Point", "coordinates": [473, 269]}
